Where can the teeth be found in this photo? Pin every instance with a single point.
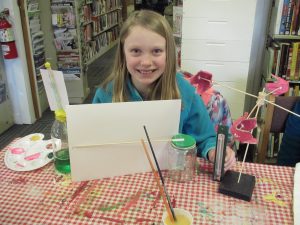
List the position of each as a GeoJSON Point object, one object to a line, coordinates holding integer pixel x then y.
{"type": "Point", "coordinates": [145, 71]}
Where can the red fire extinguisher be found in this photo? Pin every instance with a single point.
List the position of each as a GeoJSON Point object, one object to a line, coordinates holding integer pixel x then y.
{"type": "Point", "coordinates": [7, 39]}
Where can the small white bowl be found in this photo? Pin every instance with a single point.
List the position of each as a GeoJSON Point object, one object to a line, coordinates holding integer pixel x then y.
{"type": "Point", "coordinates": [178, 212]}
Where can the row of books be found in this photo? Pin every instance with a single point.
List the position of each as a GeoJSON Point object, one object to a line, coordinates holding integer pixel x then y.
{"type": "Point", "coordinates": [284, 60]}
{"type": "Point", "coordinates": [285, 17]}
{"type": "Point", "coordinates": [95, 47]}
{"type": "Point", "coordinates": [100, 7]}
{"type": "Point", "coordinates": [99, 26]}
{"type": "Point", "coordinates": [293, 90]}
{"type": "Point", "coordinates": [106, 21]}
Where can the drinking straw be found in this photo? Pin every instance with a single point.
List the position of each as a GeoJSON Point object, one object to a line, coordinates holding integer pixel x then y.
{"type": "Point", "coordinates": [172, 216]}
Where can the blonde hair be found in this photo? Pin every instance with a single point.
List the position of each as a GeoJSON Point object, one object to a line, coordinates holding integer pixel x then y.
{"type": "Point", "coordinates": [165, 87]}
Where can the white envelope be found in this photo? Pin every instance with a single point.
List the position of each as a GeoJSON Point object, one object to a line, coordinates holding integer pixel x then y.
{"type": "Point", "coordinates": [105, 139]}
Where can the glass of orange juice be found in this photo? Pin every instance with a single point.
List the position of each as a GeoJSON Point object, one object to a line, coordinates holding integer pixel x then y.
{"type": "Point", "coordinates": [183, 217]}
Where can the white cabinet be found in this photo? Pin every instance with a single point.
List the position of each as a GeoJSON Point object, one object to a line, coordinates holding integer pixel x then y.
{"type": "Point", "coordinates": [218, 36]}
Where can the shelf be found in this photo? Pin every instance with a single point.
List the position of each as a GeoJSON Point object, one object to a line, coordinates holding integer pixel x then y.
{"type": "Point", "coordinates": [106, 29]}
{"type": "Point", "coordinates": [294, 81]}
{"type": "Point", "coordinates": [285, 37]}
{"type": "Point", "coordinates": [104, 50]}
{"type": "Point", "coordinates": [109, 11]}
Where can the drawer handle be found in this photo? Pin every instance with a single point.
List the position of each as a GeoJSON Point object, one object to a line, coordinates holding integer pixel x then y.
{"type": "Point", "coordinates": [223, 22]}
{"type": "Point", "coordinates": [215, 43]}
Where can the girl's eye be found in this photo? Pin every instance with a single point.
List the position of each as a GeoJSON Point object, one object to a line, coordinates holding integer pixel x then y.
{"type": "Point", "coordinates": [157, 51]}
{"type": "Point", "coordinates": [135, 51]}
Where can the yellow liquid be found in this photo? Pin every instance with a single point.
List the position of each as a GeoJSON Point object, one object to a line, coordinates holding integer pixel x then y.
{"type": "Point", "coordinates": [180, 220]}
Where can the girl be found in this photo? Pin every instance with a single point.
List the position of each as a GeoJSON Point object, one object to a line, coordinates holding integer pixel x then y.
{"type": "Point", "coordinates": [145, 70]}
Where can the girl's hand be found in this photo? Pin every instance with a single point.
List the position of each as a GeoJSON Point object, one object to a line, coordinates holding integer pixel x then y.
{"type": "Point", "coordinates": [230, 159]}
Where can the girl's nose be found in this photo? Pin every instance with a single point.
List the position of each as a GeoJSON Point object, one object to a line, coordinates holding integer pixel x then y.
{"type": "Point", "coordinates": [146, 60]}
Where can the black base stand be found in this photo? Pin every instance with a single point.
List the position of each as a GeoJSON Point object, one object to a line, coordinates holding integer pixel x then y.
{"type": "Point", "coordinates": [242, 190]}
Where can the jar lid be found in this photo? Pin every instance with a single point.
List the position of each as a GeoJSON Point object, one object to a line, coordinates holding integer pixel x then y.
{"type": "Point", "coordinates": [183, 141]}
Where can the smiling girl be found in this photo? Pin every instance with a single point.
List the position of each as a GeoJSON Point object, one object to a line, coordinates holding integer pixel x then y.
{"type": "Point", "coordinates": [145, 69]}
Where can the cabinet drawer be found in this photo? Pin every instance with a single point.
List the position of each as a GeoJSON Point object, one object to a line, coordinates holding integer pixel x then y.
{"type": "Point", "coordinates": [217, 29]}
{"type": "Point", "coordinates": [221, 70]}
{"type": "Point", "coordinates": [210, 50]}
{"type": "Point", "coordinates": [237, 9]}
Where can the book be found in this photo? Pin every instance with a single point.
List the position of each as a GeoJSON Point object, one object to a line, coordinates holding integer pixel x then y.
{"type": "Point", "coordinates": [289, 17]}
{"type": "Point", "coordinates": [284, 15]}
{"type": "Point", "coordinates": [295, 47]}
{"type": "Point", "coordinates": [295, 20]}
{"type": "Point", "coordinates": [284, 57]}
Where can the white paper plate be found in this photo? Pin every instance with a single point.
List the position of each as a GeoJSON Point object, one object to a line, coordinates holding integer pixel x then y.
{"type": "Point", "coordinates": [28, 153]}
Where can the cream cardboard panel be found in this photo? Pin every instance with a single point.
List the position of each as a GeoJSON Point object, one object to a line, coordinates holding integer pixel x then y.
{"type": "Point", "coordinates": [104, 139]}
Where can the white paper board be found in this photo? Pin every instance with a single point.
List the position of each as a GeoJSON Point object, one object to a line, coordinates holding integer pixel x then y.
{"type": "Point", "coordinates": [104, 139]}
{"type": "Point", "coordinates": [57, 83]}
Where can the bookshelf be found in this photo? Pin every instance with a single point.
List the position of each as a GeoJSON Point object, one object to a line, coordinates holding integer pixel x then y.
{"type": "Point", "coordinates": [282, 58]}
{"type": "Point", "coordinates": [282, 55]}
{"type": "Point", "coordinates": [99, 23]}
{"type": "Point", "coordinates": [83, 31]}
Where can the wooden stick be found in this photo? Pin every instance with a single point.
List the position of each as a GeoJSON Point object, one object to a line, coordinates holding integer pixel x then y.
{"type": "Point", "coordinates": [158, 182]}
{"type": "Point", "coordinates": [160, 174]}
{"type": "Point", "coordinates": [124, 142]}
{"type": "Point", "coordinates": [256, 97]}
{"type": "Point", "coordinates": [247, 147]}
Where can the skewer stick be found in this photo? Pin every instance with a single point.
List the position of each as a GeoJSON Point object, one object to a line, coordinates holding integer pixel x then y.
{"type": "Point", "coordinates": [247, 147]}
{"type": "Point", "coordinates": [160, 174]}
{"type": "Point", "coordinates": [158, 182]}
{"type": "Point", "coordinates": [254, 96]}
{"type": "Point", "coordinates": [224, 85]}
{"type": "Point", "coordinates": [125, 142]}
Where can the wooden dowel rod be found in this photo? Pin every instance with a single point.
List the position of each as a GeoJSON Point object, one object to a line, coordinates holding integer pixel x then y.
{"type": "Point", "coordinates": [155, 173]}
{"type": "Point", "coordinates": [124, 142]}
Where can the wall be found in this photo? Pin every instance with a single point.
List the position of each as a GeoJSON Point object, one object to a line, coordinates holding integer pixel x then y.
{"type": "Point", "coordinates": [17, 72]}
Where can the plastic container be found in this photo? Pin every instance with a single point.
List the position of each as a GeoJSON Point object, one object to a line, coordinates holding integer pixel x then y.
{"type": "Point", "coordinates": [182, 156]}
{"type": "Point", "coordinates": [59, 136]}
{"type": "Point", "coordinates": [183, 218]}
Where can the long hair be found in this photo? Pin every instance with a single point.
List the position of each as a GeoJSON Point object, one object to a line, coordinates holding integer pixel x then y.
{"type": "Point", "coordinates": [165, 87]}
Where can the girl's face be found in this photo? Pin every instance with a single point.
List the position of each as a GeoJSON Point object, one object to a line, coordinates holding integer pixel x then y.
{"type": "Point", "coordinates": [145, 53]}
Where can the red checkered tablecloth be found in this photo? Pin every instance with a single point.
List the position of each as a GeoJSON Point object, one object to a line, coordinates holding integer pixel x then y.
{"type": "Point", "coordinates": [43, 197]}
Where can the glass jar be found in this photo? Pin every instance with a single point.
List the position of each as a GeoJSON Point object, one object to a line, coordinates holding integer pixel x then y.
{"type": "Point", "coordinates": [182, 155]}
{"type": "Point", "coordinates": [59, 137]}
